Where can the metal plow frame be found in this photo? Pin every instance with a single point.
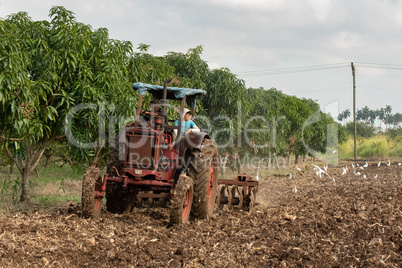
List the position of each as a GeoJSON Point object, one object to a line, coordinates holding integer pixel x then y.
{"type": "Point", "coordinates": [240, 192]}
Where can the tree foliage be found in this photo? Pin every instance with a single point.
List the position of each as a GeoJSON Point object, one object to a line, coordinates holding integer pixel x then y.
{"type": "Point", "coordinates": [47, 68]}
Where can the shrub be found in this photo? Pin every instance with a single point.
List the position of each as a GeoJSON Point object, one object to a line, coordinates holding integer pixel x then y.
{"type": "Point", "coordinates": [372, 148]}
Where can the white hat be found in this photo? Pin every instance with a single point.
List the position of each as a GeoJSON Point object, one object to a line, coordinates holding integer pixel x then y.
{"type": "Point", "coordinates": [185, 111]}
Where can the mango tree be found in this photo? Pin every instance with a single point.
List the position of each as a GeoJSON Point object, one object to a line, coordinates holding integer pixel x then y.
{"type": "Point", "coordinates": [47, 70]}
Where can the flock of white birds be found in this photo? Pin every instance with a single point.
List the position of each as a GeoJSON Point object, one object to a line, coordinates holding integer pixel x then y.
{"type": "Point", "coordinates": [358, 170]}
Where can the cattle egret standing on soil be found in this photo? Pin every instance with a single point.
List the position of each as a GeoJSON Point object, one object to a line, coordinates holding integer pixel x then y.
{"type": "Point", "coordinates": [298, 168]}
{"type": "Point", "coordinates": [375, 176]}
{"type": "Point", "coordinates": [365, 165]}
{"type": "Point", "coordinates": [389, 163]}
{"type": "Point", "coordinates": [379, 164]}
{"type": "Point", "coordinates": [344, 171]}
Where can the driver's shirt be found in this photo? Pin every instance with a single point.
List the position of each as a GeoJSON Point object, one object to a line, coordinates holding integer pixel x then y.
{"type": "Point", "coordinates": [185, 125]}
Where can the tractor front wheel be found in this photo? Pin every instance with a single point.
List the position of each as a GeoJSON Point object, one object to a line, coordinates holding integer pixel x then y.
{"type": "Point", "coordinates": [182, 200]}
{"type": "Point", "coordinates": [91, 187]}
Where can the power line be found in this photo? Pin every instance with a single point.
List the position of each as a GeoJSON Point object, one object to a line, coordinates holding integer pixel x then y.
{"type": "Point", "coordinates": [309, 68]}
{"type": "Point", "coordinates": [379, 65]}
{"type": "Point", "coordinates": [322, 67]}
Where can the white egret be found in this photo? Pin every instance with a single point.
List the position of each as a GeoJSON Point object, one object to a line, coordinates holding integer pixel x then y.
{"type": "Point", "coordinates": [365, 165]}
{"type": "Point", "coordinates": [344, 171]}
{"type": "Point", "coordinates": [320, 171]}
{"type": "Point", "coordinates": [379, 164]}
{"type": "Point", "coordinates": [375, 176]}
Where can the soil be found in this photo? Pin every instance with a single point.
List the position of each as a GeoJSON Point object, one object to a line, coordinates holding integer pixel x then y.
{"type": "Point", "coordinates": [349, 221]}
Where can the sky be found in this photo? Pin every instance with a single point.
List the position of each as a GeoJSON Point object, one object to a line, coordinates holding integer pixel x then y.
{"type": "Point", "coordinates": [301, 47]}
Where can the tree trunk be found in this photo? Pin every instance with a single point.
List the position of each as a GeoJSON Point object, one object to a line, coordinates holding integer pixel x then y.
{"type": "Point", "coordinates": [296, 158]}
{"type": "Point", "coordinates": [12, 168]}
{"type": "Point", "coordinates": [25, 195]}
{"type": "Point", "coordinates": [48, 156]}
{"type": "Point", "coordinates": [223, 163]}
{"type": "Point", "coordinates": [276, 162]}
{"type": "Point", "coordinates": [258, 166]}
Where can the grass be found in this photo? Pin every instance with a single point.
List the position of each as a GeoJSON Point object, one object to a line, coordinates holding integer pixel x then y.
{"type": "Point", "coordinates": [379, 146]}
{"type": "Point", "coordinates": [53, 186]}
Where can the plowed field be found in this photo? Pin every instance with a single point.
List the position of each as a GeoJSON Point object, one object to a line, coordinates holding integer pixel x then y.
{"type": "Point", "coordinates": [349, 221]}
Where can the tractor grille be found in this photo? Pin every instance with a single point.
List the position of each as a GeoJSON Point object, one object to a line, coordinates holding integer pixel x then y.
{"type": "Point", "coordinates": [140, 148]}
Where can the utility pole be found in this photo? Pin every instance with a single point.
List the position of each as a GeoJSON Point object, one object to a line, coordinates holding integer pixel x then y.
{"type": "Point", "coordinates": [354, 109]}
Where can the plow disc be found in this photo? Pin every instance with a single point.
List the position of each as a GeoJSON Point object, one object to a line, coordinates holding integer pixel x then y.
{"type": "Point", "coordinates": [239, 192]}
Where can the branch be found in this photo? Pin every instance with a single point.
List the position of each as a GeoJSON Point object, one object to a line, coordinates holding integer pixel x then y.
{"type": "Point", "coordinates": [19, 166]}
{"type": "Point", "coordinates": [40, 149]}
{"type": "Point", "coordinates": [11, 139]}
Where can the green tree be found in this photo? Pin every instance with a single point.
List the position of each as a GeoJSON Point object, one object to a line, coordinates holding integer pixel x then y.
{"type": "Point", "coordinates": [363, 129]}
{"type": "Point", "coordinates": [225, 105]}
{"type": "Point", "coordinates": [191, 70]}
{"type": "Point", "coordinates": [147, 68]}
{"type": "Point", "coordinates": [47, 69]}
{"type": "Point", "coordinates": [387, 110]}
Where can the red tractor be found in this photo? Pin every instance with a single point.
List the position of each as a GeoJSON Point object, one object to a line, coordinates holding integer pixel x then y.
{"type": "Point", "coordinates": [154, 163]}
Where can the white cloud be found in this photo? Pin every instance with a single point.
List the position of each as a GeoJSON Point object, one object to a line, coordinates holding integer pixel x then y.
{"type": "Point", "coordinates": [321, 8]}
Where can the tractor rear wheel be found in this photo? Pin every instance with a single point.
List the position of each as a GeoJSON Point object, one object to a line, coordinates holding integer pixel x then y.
{"type": "Point", "coordinates": [91, 186]}
{"type": "Point", "coordinates": [182, 200]}
{"type": "Point", "coordinates": [203, 169]}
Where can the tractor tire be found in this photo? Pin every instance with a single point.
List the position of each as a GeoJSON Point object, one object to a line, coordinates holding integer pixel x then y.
{"type": "Point", "coordinates": [91, 183]}
{"type": "Point", "coordinates": [114, 159]}
{"type": "Point", "coordinates": [203, 169]}
{"type": "Point", "coordinates": [182, 200]}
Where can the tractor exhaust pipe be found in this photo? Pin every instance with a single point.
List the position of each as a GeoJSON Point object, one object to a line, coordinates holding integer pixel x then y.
{"type": "Point", "coordinates": [164, 101]}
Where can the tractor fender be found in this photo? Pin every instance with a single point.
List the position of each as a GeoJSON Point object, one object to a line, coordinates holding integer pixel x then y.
{"type": "Point", "coordinates": [191, 141]}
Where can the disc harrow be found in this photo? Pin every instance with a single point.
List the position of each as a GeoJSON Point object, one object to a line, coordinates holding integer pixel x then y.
{"type": "Point", "coordinates": [240, 192]}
